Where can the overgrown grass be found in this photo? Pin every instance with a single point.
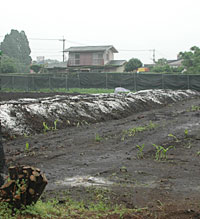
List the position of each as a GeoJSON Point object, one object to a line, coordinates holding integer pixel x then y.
{"type": "Point", "coordinates": [68, 209]}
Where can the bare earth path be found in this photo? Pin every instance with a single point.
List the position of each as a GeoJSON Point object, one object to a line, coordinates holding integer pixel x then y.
{"type": "Point", "coordinates": [107, 155]}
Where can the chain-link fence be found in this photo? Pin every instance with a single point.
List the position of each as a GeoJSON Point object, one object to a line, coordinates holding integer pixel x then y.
{"type": "Point", "coordinates": [131, 81]}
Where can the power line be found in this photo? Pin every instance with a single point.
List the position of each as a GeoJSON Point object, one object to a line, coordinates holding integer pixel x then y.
{"type": "Point", "coordinates": [141, 50]}
{"type": "Point", "coordinates": [63, 41]}
{"type": "Point", "coordinates": [136, 50]}
{"type": "Point", "coordinates": [42, 39]}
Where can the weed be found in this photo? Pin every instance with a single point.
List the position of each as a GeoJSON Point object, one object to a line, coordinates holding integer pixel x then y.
{"type": "Point", "coordinates": [101, 208]}
{"type": "Point", "coordinates": [97, 137]}
{"type": "Point", "coordinates": [161, 152]}
{"type": "Point", "coordinates": [123, 169]}
{"type": "Point", "coordinates": [164, 152]}
{"type": "Point", "coordinates": [158, 149]}
{"type": "Point", "coordinates": [132, 131]}
{"type": "Point", "coordinates": [140, 151]}
{"type": "Point", "coordinates": [46, 128]}
{"type": "Point", "coordinates": [55, 124]}
{"type": "Point", "coordinates": [186, 133]}
{"type": "Point", "coordinates": [173, 136]}
{"type": "Point", "coordinates": [27, 146]}
{"type": "Point", "coordinates": [25, 135]}
{"type": "Point", "coordinates": [195, 108]}
{"type": "Point", "coordinates": [198, 153]}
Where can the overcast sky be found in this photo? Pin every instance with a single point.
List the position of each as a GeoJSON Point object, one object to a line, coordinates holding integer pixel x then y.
{"type": "Point", "coordinates": [168, 26]}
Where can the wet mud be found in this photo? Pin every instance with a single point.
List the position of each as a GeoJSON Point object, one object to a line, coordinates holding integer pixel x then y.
{"type": "Point", "coordinates": [119, 156]}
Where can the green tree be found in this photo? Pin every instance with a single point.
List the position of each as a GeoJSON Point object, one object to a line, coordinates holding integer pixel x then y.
{"type": "Point", "coordinates": [133, 64]}
{"type": "Point", "coordinates": [15, 45]}
{"type": "Point", "coordinates": [161, 66]}
{"type": "Point", "coordinates": [191, 60]}
{"type": "Point", "coordinates": [36, 68]}
{"type": "Point", "coordinates": [8, 65]}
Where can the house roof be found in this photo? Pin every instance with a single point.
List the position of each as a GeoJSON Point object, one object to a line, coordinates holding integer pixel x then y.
{"type": "Point", "coordinates": [57, 65]}
{"type": "Point", "coordinates": [177, 62]}
{"type": "Point", "coordinates": [91, 49]}
{"type": "Point", "coordinates": [116, 63]}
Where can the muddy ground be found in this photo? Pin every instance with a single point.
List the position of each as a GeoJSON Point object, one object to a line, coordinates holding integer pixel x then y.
{"type": "Point", "coordinates": [79, 160]}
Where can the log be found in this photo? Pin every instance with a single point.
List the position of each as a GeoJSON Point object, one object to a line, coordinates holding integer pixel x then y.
{"type": "Point", "coordinates": [23, 187]}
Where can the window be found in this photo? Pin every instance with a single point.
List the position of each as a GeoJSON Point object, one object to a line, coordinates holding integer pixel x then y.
{"type": "Point", "coordinates": [77, 59]}
{"type": "Point", "coordinates": [74, 58]}
{"type": "Point", "coordinates": [97, 58]}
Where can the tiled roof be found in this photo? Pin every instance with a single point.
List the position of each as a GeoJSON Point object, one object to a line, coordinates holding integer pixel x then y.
{"type": "Point", "coordinates": [91, 49]}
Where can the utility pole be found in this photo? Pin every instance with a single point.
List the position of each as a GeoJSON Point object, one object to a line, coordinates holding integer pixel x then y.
{"type": "Point", "coordinates": [63, 51]}
{"type": "Point", "coordinates": [154, 55]}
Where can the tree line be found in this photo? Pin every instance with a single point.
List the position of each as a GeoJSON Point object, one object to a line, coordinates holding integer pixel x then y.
{"type": "Point", "coordinates": [15, 53]}
{"type": "Point", "coordinates": [190, 63]}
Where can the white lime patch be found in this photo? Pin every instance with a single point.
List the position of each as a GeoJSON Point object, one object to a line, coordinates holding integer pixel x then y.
{"type": "Point", "coordinates": [84, 181]}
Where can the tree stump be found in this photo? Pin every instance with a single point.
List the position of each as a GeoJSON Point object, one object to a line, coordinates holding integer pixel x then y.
{"type": "Point", "coordinates": [23, 187]}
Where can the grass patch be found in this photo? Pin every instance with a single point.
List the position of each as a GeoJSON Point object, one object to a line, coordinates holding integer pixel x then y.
{"type": "Point", "coordinates": [133, 131]}
{"type": "Point", "coordinates": [68, 209]}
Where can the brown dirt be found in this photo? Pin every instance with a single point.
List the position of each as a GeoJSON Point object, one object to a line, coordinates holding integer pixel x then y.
{"type": "Point", "coordinates": [168, 188]}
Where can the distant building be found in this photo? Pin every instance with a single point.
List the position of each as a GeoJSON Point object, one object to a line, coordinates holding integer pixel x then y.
{"type": "Point", "coordinates": [175, 63]}
{"type": "Point", "coordinates": [40, 59]}
{"type": "Point", "coordinates": [94, 59]}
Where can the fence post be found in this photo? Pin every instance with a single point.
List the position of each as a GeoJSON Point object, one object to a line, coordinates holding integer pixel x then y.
{"type": "Point", "coordinates": [12, 82]}
{"type": "Point", "coordinates": [27, 83]}
{"type": "Point", "coordinates": [79, 82]}
{"type": "Point", "coordinates": [106, 80]}
{"type": "Point", "coordinates": [66, 85]}
{"type": "Point", "coordinates": [135, 82]}
{"type": "Point", "coordinates": [49, 83]}
{"type": "Point", "coordinates": [163, 85]}
{"type": "Point", "coordinates": [188, 81]}
{"type": "Point", "coordinates": [33, 83]}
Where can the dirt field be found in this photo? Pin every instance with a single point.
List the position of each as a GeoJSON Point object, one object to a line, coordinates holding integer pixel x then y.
{"type": "Point", "coordinates": [106, 155]}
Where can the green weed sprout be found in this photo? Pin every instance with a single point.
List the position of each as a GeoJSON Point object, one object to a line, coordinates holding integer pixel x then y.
{"type": "Point", "coordinates": [164, 152]}
{"type": "Point", "coordinates": [161, 152]}
{"type": "Point", "coordinates": [140, 151]}
{"type": "Point", "coordinates": [46, 128]}
{"type": "Point", "coordinates": [133, 131]}
{"type": "Point", "coordinates": [195, 108]}
{"type": "Point", "coordinates": [198, 153]}
{"type": "Point", "coordinates": [97, 137]}
{"type": "Point", "coordinates": [173, 136]}
{"type": "Point", "coordinates": [186, 133]}
{"type": "Point", "coordinates": [27, 146]}
{"type": "Point", "coordinates": [55, 124]}
{"type": "Point", "coordinates": [158, 149]}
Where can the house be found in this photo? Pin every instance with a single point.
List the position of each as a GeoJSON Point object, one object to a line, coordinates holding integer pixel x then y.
{"type": "Point", "coordinates": [94, 59]}
{"type": "Point", "coordinates": [175, 63]}
{"type": "Point", "coordinates": [57, 67]}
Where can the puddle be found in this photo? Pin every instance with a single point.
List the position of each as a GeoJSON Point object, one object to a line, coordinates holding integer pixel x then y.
{"type": "Point", "coordinates": [84, 181]}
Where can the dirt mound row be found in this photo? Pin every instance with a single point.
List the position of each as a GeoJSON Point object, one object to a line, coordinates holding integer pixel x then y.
{"type": "Point", "coordinates": [29, 116]}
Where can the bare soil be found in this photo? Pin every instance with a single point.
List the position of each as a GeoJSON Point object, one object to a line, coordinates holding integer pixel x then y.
{"type": "Point", "coordinates": [169, 188]}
